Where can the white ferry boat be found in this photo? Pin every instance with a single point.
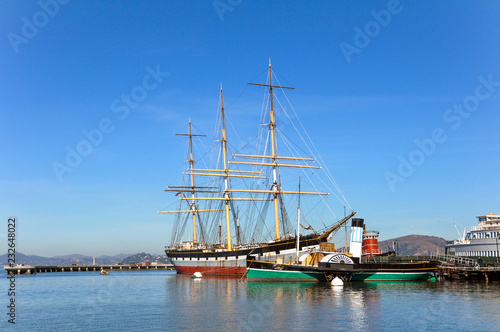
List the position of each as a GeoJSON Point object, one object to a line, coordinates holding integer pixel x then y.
{"type": "Point", "coordinates": [481, 240]}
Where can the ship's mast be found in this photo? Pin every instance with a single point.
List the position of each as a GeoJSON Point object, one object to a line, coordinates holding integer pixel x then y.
{"type": "Point", "coordinates": [276, 190]}
{"type": "Point", "coordinates": [226, 186]}
{"type": "Point", "coordinates": [238, 242]}
{"type": "Point", "coordinates": [272, 125]}
{"type": "Point", "coordinates": [191, 165]}
{"type": "Point", "coordinates": [298, 227]}
{"type": "Point", "coordinates": [193, 189]}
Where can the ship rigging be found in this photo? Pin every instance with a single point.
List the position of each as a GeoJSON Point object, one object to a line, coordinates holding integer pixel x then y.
{"type": "Point", "coordinates": [229, 211]}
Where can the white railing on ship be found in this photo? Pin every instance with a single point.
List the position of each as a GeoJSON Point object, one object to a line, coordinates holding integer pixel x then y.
{"type": "Point", "coordinates": [483, 226]}
{"type": "Point", "coordinates": [278, 259]}
{"type": "Point", "coordinates": [488, 225]}
{"type": "Point", "coordinates": [212, 247]}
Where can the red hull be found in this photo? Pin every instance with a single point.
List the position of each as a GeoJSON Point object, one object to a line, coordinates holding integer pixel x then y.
{"type": "Point", "coordinates": [226, 271]}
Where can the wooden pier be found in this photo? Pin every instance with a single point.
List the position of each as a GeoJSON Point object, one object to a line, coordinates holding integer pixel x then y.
{"type": "Point", "coordinates": [452, 267]}
{"type": "Point", "coordinates": [486, 273]}
{"type": "Point", "coordinates": [33, 269]}
{"type": "Point", "coordinates": [464, 268]}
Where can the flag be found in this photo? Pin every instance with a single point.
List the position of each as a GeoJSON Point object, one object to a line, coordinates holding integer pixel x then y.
{"type": "Point", "coordinates": [178, 194]}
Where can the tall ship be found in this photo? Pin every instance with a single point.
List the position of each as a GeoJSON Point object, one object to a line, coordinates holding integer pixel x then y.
{"type": "Point", "coordinates": [253, 203]}
{"type": "Point", "coordinates": [481, 240]}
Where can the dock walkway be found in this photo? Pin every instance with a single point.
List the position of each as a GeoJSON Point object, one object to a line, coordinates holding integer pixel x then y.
{"type": "Point", "coordinates": [32, 269]}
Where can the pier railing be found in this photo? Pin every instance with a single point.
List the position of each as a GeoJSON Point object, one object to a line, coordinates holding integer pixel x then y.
{"type": "Point", "coordinates": [395, 259]}
{"type": "Point", "coordinates": [455, 260]}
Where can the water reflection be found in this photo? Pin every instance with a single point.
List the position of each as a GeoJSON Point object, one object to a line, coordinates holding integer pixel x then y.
{"type": "Point", "coordinates": [319, 305]}
{"type": "Point", "coordinates": [218, 302]}
{"type": "Point", "coordinates": [237, 305]}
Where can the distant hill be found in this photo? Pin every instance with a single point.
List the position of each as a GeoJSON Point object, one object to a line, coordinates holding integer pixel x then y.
{"type": "Point", "coordinates": [85, 260]}
{"type": "Point", "coordinates": [26, 259]}
{"type": "Point", "coordinates": [63, 260]}
{"type": "Point", "coordinates": [143, 258]}
{"type": "Point", "coordinates": [413, 245]}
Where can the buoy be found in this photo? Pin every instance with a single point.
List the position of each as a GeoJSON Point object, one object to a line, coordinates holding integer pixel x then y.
{"type": "Point", "coordinates": [337, 282]}
{"type": "Point", "coordinates": [197, 275]}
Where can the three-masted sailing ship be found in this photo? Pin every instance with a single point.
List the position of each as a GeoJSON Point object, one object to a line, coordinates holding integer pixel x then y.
{"type": "Point", "coordinates": [222, 248]}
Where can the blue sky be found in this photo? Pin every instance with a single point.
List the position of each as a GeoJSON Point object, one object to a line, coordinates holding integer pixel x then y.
{"type": "Point", "coordinates": [403, 78]}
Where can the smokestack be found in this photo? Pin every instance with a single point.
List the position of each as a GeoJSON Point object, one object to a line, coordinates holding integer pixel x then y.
{"type": "Point", "coordinates": [356, 237]}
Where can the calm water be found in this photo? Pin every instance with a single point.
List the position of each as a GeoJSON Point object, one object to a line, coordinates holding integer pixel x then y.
{"type": "Point", "coordinates": [162, 300]}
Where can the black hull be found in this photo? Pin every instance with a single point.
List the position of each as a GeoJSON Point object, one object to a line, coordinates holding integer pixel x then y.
{"type": "Point", "coordinates": [275, 247]}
